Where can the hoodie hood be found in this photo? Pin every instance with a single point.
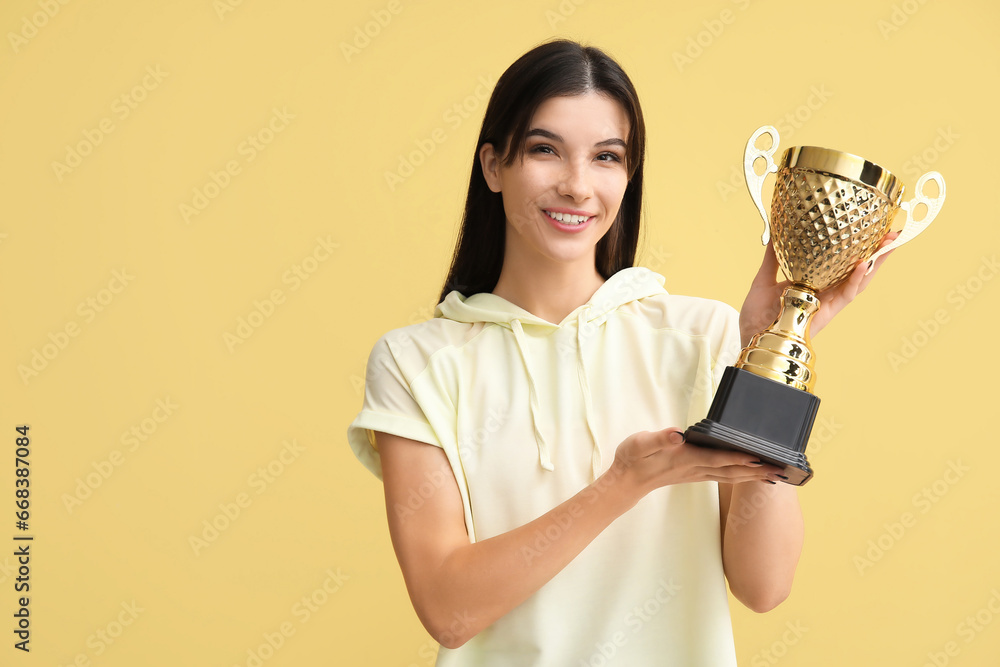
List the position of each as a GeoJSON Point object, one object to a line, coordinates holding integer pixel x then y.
{"type": "Point", "coordinates": [623, 287]}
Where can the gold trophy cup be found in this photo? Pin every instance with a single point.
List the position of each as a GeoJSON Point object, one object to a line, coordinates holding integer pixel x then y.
{"type": "Point", "coordinates": [829, 211]}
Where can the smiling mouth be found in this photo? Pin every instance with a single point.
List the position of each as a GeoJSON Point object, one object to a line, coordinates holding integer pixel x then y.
{"type": "Point", "coordinates": [568, 219]}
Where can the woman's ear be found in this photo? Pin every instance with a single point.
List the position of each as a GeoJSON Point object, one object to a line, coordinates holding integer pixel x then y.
{"type": "Point", "coordinates": [491, 166]}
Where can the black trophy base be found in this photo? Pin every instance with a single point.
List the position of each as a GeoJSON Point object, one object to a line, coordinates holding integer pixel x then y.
{"type": "Point", "coordinates": [762, 417]}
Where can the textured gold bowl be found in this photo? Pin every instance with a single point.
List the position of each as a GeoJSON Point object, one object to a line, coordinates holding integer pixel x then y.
{"type": "Point", "coordinates": [829, 211]}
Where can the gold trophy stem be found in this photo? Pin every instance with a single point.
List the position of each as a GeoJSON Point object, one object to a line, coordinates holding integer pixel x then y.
{"type": "Point", "coordinates": [782, 352]}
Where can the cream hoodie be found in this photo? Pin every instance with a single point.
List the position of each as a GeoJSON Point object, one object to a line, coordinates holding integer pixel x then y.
{"type": "Point", "coordinates": [529, 413]}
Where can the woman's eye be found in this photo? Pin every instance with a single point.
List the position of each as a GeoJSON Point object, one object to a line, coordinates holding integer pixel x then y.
{"type": "Point", "coordinates": [542, 148]}
{"type": "Point", "coordinates": [609, 157]}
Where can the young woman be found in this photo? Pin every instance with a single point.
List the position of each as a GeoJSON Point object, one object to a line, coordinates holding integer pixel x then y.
{"type": "Point", "coordinates": [542, 502]}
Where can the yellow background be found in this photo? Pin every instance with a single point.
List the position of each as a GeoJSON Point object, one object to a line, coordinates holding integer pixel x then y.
{"type": "Point", "coordinates": [899, 82]}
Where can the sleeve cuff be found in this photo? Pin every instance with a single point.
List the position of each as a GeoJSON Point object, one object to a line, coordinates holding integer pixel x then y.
{"type": "Point", "coordinates": [362, 439]}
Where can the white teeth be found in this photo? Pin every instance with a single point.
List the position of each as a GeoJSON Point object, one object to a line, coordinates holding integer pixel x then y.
{"type": "Point", "coordinates": [567, 219]}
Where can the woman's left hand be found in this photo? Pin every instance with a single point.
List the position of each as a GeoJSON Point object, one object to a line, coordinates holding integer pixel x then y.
{"type": "Point", "coordinates": [763, 301]}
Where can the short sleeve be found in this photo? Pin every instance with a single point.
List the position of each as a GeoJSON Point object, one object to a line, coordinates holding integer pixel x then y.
{"type": "Point", "coordinates": [389, 406]}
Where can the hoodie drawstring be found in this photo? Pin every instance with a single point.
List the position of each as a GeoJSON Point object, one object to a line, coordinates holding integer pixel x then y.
{"type": "Point", "coordinates": [627, 285]}
{"type": "Point", "coordinates": [595, 458]}
{"type": "Point", "coordinates": [544, 456]}
{"type": "Point", "coordinates": [543, 448]}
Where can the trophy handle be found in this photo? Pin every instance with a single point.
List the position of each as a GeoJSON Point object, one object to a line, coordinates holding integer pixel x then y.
{"type": "Point", "coordinates": [911, 228]}
{"type": "Point", "coordinates": [755, 183]}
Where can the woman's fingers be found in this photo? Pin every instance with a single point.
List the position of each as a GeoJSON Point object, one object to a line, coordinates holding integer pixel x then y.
{"type": "Point", "coordinates": [720, 458]}
{"type": "Point", "coordinates": [862, 277]}
{"type": "Point", "coordinates": [663, 457]}
{"type": "Point", "coordinates": [741, 471]}
{"type": "Point", "coordinates": [725, 463]}
{"type": "Point", "coordinates": [768, 271]}
{"type": "Point", "coordinates": [736, 479]}
{"type": "Point", "coordinates": [647, 443]}
{"type": "Point", "coordinates": [858, 280]}
{"type": "Point", "coordinates": [855, 283]}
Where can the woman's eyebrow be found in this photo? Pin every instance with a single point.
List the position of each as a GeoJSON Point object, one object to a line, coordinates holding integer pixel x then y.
{"type": "Point", "coordinates": [612, 142]}
{"type": "Point", "coordinates": [539, 132]}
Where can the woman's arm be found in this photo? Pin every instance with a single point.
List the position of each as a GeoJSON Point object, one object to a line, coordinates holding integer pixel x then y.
{"type": "Point", "coordinates": [762, 533]}
{"type": "Point", "coordinates": [762, 525]}
{"type": "Point", "coordinates": [457, 588]}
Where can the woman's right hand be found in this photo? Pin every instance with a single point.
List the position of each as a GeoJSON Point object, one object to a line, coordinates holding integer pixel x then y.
{"type": "Point", "coordinates": [648, 460]}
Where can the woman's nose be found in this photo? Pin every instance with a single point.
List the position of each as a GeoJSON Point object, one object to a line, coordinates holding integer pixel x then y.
{"type": "Point", "coordinates": [575, 182]}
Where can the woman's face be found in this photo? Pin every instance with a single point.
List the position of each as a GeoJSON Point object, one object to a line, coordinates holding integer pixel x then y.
{"type": "Point", "coordinates": [573, 168]}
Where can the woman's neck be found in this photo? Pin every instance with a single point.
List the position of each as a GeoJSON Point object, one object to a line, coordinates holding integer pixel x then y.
{"type": "Point", "coordinates": [550, 291]}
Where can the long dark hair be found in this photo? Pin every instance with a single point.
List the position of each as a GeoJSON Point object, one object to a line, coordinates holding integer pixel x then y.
{"type": "Point", "coordinates": [556, 68]}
